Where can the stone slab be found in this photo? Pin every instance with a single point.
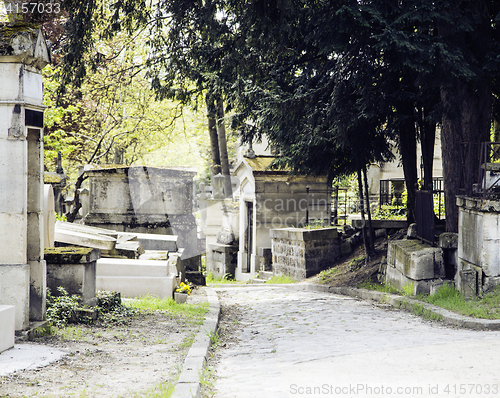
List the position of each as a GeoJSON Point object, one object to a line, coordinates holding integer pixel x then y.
{"type": "Point", "coordinates": [130, 267]}
{"type": "Point", "coordinates": [158, 242]}
{"type": "Point", "coordinates": [138, 286]}
{"type": "Point", "coordinates": [7, 329]}
{"type": "Point", "coordinates": [84, 239]}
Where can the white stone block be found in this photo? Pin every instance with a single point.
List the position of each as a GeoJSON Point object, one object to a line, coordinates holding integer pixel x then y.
{"type": "Point", "coordinates": [13, 235]}
{"type": "Point", "coordinates": [13, 178]}
{"type": "Point", "coordinates": [138, 286]}
{"type": "Point", "coordinates": [130, 267]}
{"type": "Point", "coordinates": [7, 330]}
{"type": "Point", "coordinates": [490, 257]}
{"type": "Point", "coordinates": [11, 88]}
{"type": "Point", "coordinates": [14, 290]}
{"type": "Point", "coordinates": [33, 89]}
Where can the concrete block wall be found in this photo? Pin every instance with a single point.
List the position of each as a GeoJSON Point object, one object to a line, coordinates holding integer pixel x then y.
{"type": "Point", "coordinates": [301, 253]}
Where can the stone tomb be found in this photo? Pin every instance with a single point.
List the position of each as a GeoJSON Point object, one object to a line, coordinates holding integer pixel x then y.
{"type": "Point", "coordinates": [142, 199]}
{"type": "Point", "coordinates": [23, 54]}
{"type": "Point", "coordinates": [415, 264]}
{"type": "Point", "coordinates": [478, 266]}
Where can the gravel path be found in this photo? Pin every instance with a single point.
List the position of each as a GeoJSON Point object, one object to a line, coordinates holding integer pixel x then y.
{"type": "Point", "coordinates": [288, 343]}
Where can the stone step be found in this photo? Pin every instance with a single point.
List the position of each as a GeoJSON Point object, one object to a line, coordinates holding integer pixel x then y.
{"type": "Point", "coordinates": [138, 286]}
{"type": "Point", "coordinates": [131, 267]}
{"type": "Point", "coordinates": [258, 280]}
{"type": "Point", "coordinates": [266, 275]}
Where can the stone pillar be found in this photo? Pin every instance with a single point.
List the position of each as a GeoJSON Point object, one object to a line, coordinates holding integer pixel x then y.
{"type": "Point", "coordinates": [22, 268]}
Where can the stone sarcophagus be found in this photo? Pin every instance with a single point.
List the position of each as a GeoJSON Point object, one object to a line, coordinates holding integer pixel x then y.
{"type": "Point", "coordinates": [144, 200]}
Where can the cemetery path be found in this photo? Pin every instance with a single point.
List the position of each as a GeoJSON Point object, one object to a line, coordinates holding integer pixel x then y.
{"type": "Point", "coordinates": [277, 341]}
{"type": "Point", "coordinates": [131, 360]}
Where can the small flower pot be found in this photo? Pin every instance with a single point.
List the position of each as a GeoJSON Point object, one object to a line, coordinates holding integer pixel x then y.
{"type": "Point", "coordinates": [180, 297]}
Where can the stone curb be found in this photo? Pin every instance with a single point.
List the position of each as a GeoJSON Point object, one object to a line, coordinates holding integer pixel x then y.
{"type": "Point", "coordinates": [188, 385]}
{"type": "Point", "coordinates": [447, 317]}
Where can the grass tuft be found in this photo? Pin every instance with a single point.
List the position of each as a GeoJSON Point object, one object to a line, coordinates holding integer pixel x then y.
{"type": "Point", "coordinates": [190, 312]}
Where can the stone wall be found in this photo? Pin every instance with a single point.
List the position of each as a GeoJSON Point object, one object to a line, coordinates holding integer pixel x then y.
{"type": "Point", "coordinates": [301, 253]}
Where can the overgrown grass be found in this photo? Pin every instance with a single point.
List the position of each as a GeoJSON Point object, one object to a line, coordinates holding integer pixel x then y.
{"type": "Point", "coordinates": [447, 297]}
{"type": "Point", "coordinates": [281, 279]}
{"type": "Point", "coordinates": [379, 287]}
{"type": "Point", "coordinates": [327, 274]}
{"type": "Point", "coordinates": [189, 312]}
{"type": "Point", "coordinates": [450, 298]}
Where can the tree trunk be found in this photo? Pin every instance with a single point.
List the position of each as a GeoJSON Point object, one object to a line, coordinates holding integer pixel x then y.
{"type": "Point", "coordinates": [215, 167]}
{"type": "Point", "coordinates": [466, 106]}
{"type": "Point", "coordinates": [371, 234]}
{"type": "Point", "coordinates": [221, 132]}
{"type": "Point", "coordinates": [363, 229]}
{"type": "Point", "coordinates": [427, 140]}
{"type": "Point", "coordinates": [408, 151]}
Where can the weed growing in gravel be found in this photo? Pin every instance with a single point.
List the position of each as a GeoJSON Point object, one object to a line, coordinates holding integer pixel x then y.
{"type": "Point", "coordinates": [214, 338]}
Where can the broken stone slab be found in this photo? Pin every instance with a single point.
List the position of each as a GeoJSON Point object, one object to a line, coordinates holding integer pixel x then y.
{"type": "Point", "coordinates": [86, 229]}
{"type": "Point", "coordinates": [416, 260]}
{"type": "Point", "coordinates": [128, 249]}
{"type": "Point", "coordinates": [158, 242]}
{"type": "Point", "coordinates": [83, 237]}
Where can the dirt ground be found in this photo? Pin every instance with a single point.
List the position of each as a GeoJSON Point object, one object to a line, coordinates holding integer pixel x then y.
{"type": "Point", "coordinates": [131, 360]}
{"type": "Point", "coordinates": [351, 270]}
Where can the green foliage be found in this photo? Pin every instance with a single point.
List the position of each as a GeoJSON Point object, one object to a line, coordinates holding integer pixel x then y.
{"type": "Point", "coordinates": [276, 279]}
{"type": "Point", "coordinates": [227, 278]}
{"type": "Point", "coordinates": [63, 309]}
{"type": "Point", "coordinates": [388, 212]}
{"type": "Point", "coordinates": [60, 308]}
{"type": "Point", "coordinates": [449, 297]}
{"type": "Point", "coordinates": [316, 224]}
{"type": "Point", "coordinates": [379, 287]}
{"type": "Point", "coordinates": [326, 275]}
